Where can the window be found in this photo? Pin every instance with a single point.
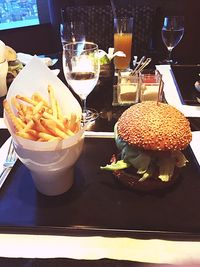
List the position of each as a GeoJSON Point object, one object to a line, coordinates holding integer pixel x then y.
{"type": "Point", "coordinates": [18, 13]}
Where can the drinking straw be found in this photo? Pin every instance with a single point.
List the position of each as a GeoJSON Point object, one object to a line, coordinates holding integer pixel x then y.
{"type": "Point", "coordinates": [72, 32]}
{"type": "Point", "coordinates": [114, 13]}
{"type": "Point", "coordinates": [63, 15]}
{"type": "Point", "coordinates": [144, 64]}
{"type": "Point", "coordinates": [160, 91]}
{"type": "Point", "coordinates": [139, 64]}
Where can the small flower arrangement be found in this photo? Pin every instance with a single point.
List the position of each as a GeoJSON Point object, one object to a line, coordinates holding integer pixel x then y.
{"type": "Point", "coordinates": [106, 58]}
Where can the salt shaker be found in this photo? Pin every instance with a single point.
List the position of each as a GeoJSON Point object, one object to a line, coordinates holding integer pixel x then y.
{"type": "Point", "coordinates": [3, 69]}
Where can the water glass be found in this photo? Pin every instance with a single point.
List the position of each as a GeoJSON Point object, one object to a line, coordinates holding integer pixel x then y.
{"type": "Point", "coordinates": [72, 31]}
{"type": "Point", "coordinates": [172, 32]}
{"type": "Point", "coordinates": [123, 34]}
{"type": "Point", "coordinates": [81, 68]}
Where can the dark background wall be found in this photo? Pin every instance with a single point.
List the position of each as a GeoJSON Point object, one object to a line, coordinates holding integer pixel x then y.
{"type": "Point", "coordinates": [42, 39]}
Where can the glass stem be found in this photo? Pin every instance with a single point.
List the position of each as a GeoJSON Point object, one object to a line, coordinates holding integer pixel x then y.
{"type": "Point", "coordinates": [84, 111]}
{"type": "Point", "coordinates": [170, 55]}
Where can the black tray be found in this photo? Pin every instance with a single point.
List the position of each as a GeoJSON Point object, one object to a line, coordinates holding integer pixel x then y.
{"type": "Point", "coordinates": [97, 204]}
{"type": "Point", "coordinates": [185, 78]}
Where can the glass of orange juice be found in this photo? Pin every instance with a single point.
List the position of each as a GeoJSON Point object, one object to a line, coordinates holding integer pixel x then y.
{"type": "Point", "coordinates": [123, 35]}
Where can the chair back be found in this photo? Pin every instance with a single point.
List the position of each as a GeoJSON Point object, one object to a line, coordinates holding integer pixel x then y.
{"type": "Point", "coordinates": [99, 27]}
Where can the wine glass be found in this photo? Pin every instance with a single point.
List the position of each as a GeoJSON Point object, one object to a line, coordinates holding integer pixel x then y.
{"type": "Point", "coordinates": [172, 33]}
{"type": "Point", "coordinates": [81, 69]}
{"type": "Point", "coordinates": [72, 31]}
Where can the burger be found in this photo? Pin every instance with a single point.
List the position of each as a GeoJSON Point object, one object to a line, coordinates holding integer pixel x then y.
{"type": "Point", "coordinates": [150, 137]}
{"type": "Point", "coordinates": [14, 65]}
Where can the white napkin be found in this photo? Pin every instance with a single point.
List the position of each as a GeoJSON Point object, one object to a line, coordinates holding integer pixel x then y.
{"type": "Point", "coordinates": [171, 93]}
{"type": "Point", "coordinates": [3, 81]}
{"type": "Point", "coordinates": [2, 124]}
{"type": "Point", "coordinates": [2, 52]}
{"type": "Point", "coordinates": [56, 71]}
{"type": "Point", "coordinates": [182, 253]}
{"type": "Point", "coordinates": [25, 58]}
{"type": "Point", "coordinates": [195, 145]}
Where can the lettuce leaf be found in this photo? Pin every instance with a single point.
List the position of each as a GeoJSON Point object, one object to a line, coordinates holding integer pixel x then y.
{"type": "Point", "coordinates": [119, 165]}
{"type": "Point", "coordinates": [146, 162]}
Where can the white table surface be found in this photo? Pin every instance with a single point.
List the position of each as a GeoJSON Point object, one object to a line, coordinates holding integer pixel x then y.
{"type": "Point", "coordinates": [171, 93]}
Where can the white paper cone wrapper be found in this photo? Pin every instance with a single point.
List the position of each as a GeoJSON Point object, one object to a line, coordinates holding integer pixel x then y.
{"type": "Point", "coordinates": [35, 77]}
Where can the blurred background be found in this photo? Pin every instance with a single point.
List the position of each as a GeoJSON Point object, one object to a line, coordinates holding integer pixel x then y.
{"type": "Point", "coordinates": [32, 26]}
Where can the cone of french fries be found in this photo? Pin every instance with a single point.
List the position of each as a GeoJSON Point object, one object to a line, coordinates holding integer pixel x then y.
{"type": "Point", "coordinates": [44, 119]}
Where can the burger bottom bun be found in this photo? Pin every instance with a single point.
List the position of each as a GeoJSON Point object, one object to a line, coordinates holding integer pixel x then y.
{"type": "Point", "coordinates": [131, 181]}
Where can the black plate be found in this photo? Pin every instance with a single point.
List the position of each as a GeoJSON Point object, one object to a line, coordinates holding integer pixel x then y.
{"type": "Point", "coordinates": [185, 78]}
{"type": "Point", "coordinates": [98, 204]}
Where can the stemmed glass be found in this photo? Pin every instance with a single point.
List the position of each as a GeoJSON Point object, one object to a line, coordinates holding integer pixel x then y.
{"type": "Point", "coordinates": [72, 31]}
{"type": "Point", "coordinates": [172, 33]}
{"type": "Point", "coordinates": [81, 69]}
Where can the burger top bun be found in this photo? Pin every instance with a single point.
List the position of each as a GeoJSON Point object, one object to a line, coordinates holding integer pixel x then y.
{"type": "Point", "coordinates": [153, 126]}
{"type": "Point", "coordinates": [11, 55]}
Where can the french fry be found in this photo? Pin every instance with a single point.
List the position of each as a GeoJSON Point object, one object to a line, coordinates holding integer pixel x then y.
{"type": "Point", "coordinates": [18, 124]}
{"type": "Point", "coordinates": [28, 126]}
{"type": "Point", "coordinates": [26, 135]}
{"type": "Point", "coordinates": [28, 113]}
{"type": "Point", "coordinates": [38, 98]}
{"type": "Point", "coordinates": [76, 127]}
{"type": "Point", "coordinates": [38, 120]}
{"type": "Point", "coordinates": [39, 127]}
{"type": "Point", "coordinates": [23, 109]}
{"type": "Point", "coordinates": [35, 117]}
{"type": "Point", "coordinates": [38, 107]}
{"type": "Point", "coordinates": [72, 122]}
{"type": "Point", "coordinates": [49, 110]}
{"type": "Point", "coordinates": [22, 118]}
{"type": "Point", "coordinates": [27, 100]}
{"type": "Point", "coordinates": [65, 123]}
{"type": "Point", "coordinates": [21, 122]}
{"type": "Point", "coordinates": [47, 137]}
{"type": "Point", "coordinates": [52, 127]}
{"type": "Point", "coordinates": [59, 124]}
{"type": "Point", "coordinates": [16, 104]}
{"type": "Point", "coordinates": [40, 139]}
{"type": "Point", "coordinates": [52, 101]}
{"type": "Point", "coordinates": [33, 132]}
{"type": "Point", "coordinates": [69, 132]}
{"type": "Point", "coordinates": [59, 112]}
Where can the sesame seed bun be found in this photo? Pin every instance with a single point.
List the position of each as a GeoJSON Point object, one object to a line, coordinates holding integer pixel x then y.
{"type": "Point", "coordinates": [152, 126]}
